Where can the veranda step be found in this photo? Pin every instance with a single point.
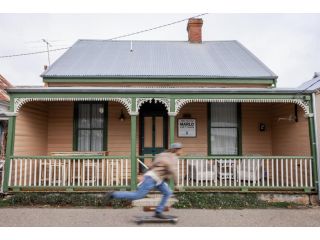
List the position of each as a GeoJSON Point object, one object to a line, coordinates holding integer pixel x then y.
{"type": "Point", "coordinates": [152, 201]}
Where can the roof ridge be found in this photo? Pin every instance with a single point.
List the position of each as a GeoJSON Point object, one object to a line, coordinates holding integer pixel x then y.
{"type": "Point", "coordinates": [183, 41]}
{"type": "Point", "coordinates": [257, 59]}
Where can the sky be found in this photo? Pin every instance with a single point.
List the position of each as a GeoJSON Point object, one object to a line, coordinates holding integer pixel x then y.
{"type": "Point", "coordinates": [287, 43]}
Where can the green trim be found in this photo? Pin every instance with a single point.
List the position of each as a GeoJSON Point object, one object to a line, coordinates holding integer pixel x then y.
{"type": "Point", "coordinates": [133, 152]}
{"type": "Point", "coordinates": [77, 157]}
{"type": "Point", "coordinates": [209, 128]}
{"type": "Point", "coordinates": [216, 95]}
{"type": "Point", "coordinates": [161, 80]}
{"type": "Point", "coordinates": [66, 188]}
{"type": "Point", "coordinates": [239, 113]}
{"type": "Point", "coordinates": [239, 188]}
{"type": "Point", "coordinates": [153, 149]}
{"type": "Point", "coordinates": [75, 121]}
{"type": "Point", "coordinates": [184, 189]}
{"type": "Point", "coordinates": [247, 157]}
{"type": "Point", "coordinates": [172, 122]}
{"type": "Point", "coordinates": [313, 142]}
{"type": "Point", "coordinates": [9, 147]}
{"type": "Point", "coordinates": [183, 157]}
{"type": "Point", "coordinates": [105, 127]}
{"type": "Point", "coordinates": [75, 126]}
{"type": "Point", "coordinates": [133, 107]}
{"type": "Point", "coordinates": [307, 190]}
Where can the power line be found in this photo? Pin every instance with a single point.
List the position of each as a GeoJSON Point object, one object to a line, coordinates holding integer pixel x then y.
{"type": "Point", "coordinates": [121, 36]}
{"type": "Point", "coordinates": [161, 26]}
{"type": "Point", "coordinates": [32, 53]}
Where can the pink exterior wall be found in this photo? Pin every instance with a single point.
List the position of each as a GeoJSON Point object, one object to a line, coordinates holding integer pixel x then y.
{"type": "Point", "coordinates": [45, 127]}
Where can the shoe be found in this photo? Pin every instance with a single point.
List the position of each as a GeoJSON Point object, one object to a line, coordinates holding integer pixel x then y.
{"type": "Point", "coordinates": [109, 196]}
{"type": "Point", "coordinates": [161, 216]}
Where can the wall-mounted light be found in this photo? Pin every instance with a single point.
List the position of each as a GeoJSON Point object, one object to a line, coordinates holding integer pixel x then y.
{"type": "Point", "coordinates": [262, 127]}
{"type": "Point", "coordinates": [122, 117]}
{"type": "Point", "coordinates": [101, 110]}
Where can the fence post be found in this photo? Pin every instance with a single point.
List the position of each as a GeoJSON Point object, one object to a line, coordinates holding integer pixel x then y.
{"type": "Point", "coordinates": [9, 151]}
{"type": "Point", "coordinates": [133, 147]}
{"type": "Point", "coordinates": [172, 120]}
{"type": "Point", "coordinates": [313, 148]}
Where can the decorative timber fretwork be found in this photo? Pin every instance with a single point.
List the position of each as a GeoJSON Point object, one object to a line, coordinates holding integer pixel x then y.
{"type": "Point", "coordinates": [19, 102]}
{"type": "Point", "coordinates": [165, 101]}
{"type": "Point", "coordinates": [179, 103]}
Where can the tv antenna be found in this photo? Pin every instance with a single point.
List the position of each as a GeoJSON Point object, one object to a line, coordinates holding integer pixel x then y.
{"type": "Point", "coordinates": [48, 49]}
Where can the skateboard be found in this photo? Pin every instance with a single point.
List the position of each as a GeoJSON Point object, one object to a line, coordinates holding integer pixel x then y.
{"type": "Point", "coordinates": [150, 219]}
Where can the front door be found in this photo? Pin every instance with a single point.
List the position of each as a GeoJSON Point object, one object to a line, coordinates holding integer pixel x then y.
{"type": "Point", "coordinates": [153, 130]}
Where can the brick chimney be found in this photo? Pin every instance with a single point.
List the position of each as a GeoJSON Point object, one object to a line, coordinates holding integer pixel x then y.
{"type": "Point", "coordinates": [194, 30]}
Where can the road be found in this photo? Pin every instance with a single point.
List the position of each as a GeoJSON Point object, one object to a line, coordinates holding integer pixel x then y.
{"type": "Point", "coordinates": [93, 217]}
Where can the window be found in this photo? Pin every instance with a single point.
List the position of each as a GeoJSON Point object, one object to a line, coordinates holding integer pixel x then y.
{"type": "Point", "coordinates": [90, 126]}
{"type": "Point", "coordinates": [224, 129]}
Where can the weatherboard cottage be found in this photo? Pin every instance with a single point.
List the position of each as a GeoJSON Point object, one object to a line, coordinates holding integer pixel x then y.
{"type": "Point", "coordinates": [107, 107]}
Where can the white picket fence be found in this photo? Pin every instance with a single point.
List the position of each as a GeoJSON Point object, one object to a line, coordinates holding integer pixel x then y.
{"type": "Point", "coordinates": [257, 172]}
{"type": "Point", "coordinates": [69, 171]}
{"type": "Point", "coordinates": [195, 172]}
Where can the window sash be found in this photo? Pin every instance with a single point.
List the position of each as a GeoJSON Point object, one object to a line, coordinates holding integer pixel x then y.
{"type": "Point", "coordinates": [224, 129]}
{"type": "Point", "coordinates": [224, 141]}
{"type": "Point", "coordinates": [223, 115]}
{"type": "Point", "coordinates": [90, 127]}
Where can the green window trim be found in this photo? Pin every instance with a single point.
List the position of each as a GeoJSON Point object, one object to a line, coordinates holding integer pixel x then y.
{"type": "Point", "coordinates": [239, 131]}
{"type": "Point", "coordinates": [75, 123]}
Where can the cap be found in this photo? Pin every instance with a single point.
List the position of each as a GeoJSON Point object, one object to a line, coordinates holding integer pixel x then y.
{"type": "Point", "coordinates": [176, 145]}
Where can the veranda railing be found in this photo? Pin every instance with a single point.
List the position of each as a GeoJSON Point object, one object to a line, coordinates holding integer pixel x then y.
{"type": "Point", "coordinates": [236, 173]}
{"type": "Point", "coordinates": [247, 172]}
{"type": "Point", "coordinates": [69, 172]}
{"type": "Point", "coordinates": [276, 172]}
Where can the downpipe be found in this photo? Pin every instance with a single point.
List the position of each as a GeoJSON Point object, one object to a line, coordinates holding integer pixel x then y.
{"type": "Point", "coordinates": [316, 138]}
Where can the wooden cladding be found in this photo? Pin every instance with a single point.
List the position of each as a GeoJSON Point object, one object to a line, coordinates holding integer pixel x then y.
{"type": "Point", "coordinates": [45, 127]}
{"type": "Point", "coordinates": [199, 144]}
{"type": "Point", "coordinates": [283, 135]}
{"type": "Point", "coordinates": [60, 127]}
{"type": "Point", "coordinates": [31, 132]}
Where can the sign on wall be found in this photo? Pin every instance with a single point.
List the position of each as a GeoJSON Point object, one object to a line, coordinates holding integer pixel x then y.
{"type": "Point", "coordinates": [187, 128]}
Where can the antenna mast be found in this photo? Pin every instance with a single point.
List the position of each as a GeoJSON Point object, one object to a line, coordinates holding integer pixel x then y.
{"type": "Point", "coordinates": [48, 50]}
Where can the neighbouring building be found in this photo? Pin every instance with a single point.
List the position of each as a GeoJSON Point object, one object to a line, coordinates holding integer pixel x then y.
{"type": "Point", "coordinates": [313, 85]}
{"type": "Point", "coordinates": [4, 116]}
{"type": "Point", "coordinates": [108, 107]}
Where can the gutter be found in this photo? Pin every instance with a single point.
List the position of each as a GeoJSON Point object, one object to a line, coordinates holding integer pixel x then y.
{"type": "Point", "coordinates": [151, 90]}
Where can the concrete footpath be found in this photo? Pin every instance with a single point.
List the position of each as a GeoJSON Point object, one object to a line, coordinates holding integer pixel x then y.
{"type": "Point", "coordinates": [93, 217]}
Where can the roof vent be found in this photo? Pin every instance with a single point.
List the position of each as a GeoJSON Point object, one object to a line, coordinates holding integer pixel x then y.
{"type": "Point", "coordinates": [131, 49]}
{"type": "Point", "coordinates": [316, 74]}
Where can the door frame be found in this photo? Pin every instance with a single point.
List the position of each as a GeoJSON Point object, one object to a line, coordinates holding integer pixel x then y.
{"type": "Point", "coordinates": [154, 113]}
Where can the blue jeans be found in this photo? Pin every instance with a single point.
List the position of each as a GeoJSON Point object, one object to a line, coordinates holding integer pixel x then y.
{"type": "Point", "coordinates": [146, 186]}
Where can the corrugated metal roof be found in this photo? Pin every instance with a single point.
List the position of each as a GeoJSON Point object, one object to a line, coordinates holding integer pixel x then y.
{"type": "Point", "coordinates": [311, 85]}
{"type": "Point", "coordinates": [160, 59]}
